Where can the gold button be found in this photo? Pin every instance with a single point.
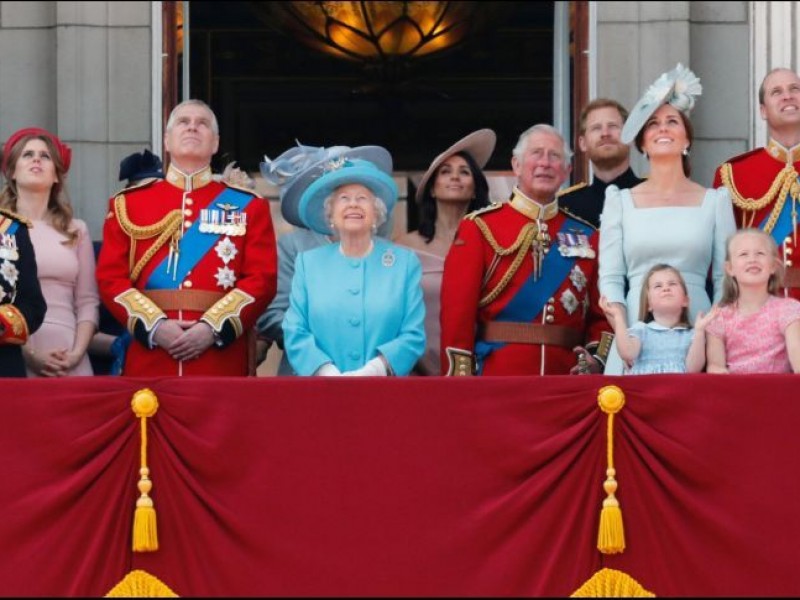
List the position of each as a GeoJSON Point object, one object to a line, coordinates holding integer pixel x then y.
{"type": "Point", "coordinates": [551, 308]}
{"type": "Point", "coordinates": [150, 311]}
{"type": "Point", "coordinates": [187, 212]}
{"type": "Point", "coordinates": [549, 319]}
{"type": "Point", "coordinates": [189, 202]}
{"type": "Point", "coordinates": [787, 251]}
{"type": "Point", "coordinates": [788, 263]}
{"type": "Point", "coordinates": [187, 284]}
{"type": "Point", "coordinates": [187, 224]}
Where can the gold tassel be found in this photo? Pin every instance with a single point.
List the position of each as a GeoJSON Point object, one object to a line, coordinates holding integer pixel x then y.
{"type": "Point", "coordinates": [140, 584]}
{"type": "Point", "coordinates": [610, 583]}
{"type": "Point", "coordinates": [611, 535]}
{"type": "Point", "coordinates": [145, 533]}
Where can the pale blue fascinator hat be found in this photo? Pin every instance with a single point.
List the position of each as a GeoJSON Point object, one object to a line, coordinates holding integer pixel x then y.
{"type": "Point", "coordinates": [678, 87]}
{"type": "Point", "coordinates": [301, 167]}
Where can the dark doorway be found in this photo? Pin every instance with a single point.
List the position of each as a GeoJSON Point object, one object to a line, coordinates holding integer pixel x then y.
{"type": "Point", "coordinates": [268, 89]}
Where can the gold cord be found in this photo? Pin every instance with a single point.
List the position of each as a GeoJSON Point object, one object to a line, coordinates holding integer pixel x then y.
{"type": "Point", "coordinates": [521, 245]}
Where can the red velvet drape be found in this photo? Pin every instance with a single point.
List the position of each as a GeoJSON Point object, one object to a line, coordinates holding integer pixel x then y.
{"type": "Point", "coordinates": [401, 487]}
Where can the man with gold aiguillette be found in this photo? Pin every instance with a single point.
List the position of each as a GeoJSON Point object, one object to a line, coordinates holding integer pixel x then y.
{"type": "Point", "coordinates": [188, 262]}
{"type": "Point", "coordinates": [763, 183]}
{"type": "Point", "coordinates": [519, 290]}
{"type": "Point", "coordinates": [22, 305]}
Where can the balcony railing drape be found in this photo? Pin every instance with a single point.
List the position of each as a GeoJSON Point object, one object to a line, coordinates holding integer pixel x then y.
{"type": "Point", "coordinates": [402, 486]}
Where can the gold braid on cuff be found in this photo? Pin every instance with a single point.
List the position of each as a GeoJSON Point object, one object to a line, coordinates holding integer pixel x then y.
{"type": "Point", "coordinates": [228, 308]}
{"type": "Point", "coordinates": [461, 363]}
{"type": "Point", "coordinates": [139, 308]}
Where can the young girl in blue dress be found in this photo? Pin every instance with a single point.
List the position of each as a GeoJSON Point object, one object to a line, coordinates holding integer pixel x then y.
{"type": "Point", "coordinates": [662, 340]}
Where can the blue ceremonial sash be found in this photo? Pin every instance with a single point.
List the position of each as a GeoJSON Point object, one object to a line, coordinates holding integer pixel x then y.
{"type": "Point", "coordinates": [193, 246]}
{"type": "Point", "coordinates": [783, 226]}
{"type": "Point", "coordinates": [12, 229]}
{"type": "Point", "coordinates": [533, 295]}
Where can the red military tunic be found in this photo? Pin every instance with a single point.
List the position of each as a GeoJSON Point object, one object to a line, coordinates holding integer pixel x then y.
{"type": "Point", "coordinates": [222, 271]}
{"type": "Point", "coordinates": [491, 262]}
{"type": "Point", "coordinates": [764, 189]}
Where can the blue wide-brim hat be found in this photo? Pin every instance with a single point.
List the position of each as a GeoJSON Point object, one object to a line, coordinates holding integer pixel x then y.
{"type": "Point", "coordinates": [344, 171]}
{"type": "Point", "coordinates": [297, 168]}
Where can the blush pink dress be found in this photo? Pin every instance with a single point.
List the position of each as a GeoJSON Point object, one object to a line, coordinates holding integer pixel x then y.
{"type": "Point", "coordinates": [432, 269]}
{"type": "Point", "coordinates": [755, 343]}
{"type": "Point", "coordinates": [66, 274]}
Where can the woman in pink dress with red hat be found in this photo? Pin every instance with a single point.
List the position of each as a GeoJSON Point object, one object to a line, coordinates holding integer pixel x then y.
{"type": "Point", "coordinates": [35, 165]}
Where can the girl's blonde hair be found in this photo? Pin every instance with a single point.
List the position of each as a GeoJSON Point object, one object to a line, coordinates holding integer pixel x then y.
{"type": "Point", "coordinates": [730, 288]}
{"type": "Point", "coordinates": [644, 306]}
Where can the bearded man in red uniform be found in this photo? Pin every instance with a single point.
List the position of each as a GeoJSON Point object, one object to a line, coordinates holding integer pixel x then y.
{"type": "Point", "coordinates": [519, 290]}
{"type": "Point", "coordinates": [188, 262]}
{"type": "Point", "coordinates": [763, 183]}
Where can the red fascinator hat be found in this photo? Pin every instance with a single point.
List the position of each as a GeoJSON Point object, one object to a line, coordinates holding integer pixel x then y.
{"type": "Point", "coordinates": [64, 151]}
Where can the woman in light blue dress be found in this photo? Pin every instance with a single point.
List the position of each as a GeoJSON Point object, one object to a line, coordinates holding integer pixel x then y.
{"type": "Point", "coordinates": [356, 306]}
{"type": "Point", "coordinates": [668, 217]}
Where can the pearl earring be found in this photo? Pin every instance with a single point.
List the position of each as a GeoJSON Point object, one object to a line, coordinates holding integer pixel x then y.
{"type": "Point", "coordinates": [686, 151]}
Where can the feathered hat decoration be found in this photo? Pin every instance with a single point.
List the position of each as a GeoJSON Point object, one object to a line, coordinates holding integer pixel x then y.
{"type": "Point", "coordinates": [678, 87]}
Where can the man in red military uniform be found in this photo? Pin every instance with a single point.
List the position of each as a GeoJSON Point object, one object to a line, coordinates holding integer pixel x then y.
{"type": "Point", "coordinates": [763, 183]}
{"type": "Point", "coordinates": [519, 290]}
{"type": "Point", "coordinates": [187, 262]}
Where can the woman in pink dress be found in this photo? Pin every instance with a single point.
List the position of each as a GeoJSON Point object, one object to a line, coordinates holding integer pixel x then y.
{"type": "Point", "coordinates": [35, 164]}
{"type": "Point", "coordinates": [453, 186]}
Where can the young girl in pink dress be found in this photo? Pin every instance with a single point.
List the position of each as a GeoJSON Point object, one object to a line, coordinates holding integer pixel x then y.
{"type": "Point", "coordinates": [755, 330]}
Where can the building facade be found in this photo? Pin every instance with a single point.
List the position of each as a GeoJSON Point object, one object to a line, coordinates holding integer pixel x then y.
{"type": "Point", "coordinates": [94, 73]}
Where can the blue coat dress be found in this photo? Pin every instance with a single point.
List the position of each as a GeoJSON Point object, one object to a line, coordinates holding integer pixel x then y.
{"type": "Point", "coordinates": [347, 310]}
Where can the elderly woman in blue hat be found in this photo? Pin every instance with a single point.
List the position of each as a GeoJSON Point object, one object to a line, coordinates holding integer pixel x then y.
{"type": "Point", "coordinates": [291, 172]}
{"type": "Point", "coordinates": [668, 218]}
{"type": "Point", "coordinates": [356, 305]}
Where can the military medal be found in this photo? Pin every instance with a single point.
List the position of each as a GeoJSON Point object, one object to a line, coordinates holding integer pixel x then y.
{"type": "Point", "coordinates": [8, 247]}
{"type": "Point", "coordinates": [226, 250]}
{"type": "Point", "coordinates": [574, 245]}
{"type": "Point", "coordinates": [225, 277]}
{"type": "Point", "coordinates": [9, 272]}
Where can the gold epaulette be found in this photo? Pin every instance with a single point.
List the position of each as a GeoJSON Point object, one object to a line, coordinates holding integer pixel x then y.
{"type": "Point", "coordinates": [13, 215]}
{"type": "Point", "coordinates": [743, 155]}
{"type": "Point", "coordinates": [142, 183]}
{"type": "Point", "coordinates": [571, 188]}
{"type": "Point", "coordinates": [241, 188]}
{"type": "Point", "coordinates": [492, 207]}
{"type": "Point", "coordinates": [572, 215]}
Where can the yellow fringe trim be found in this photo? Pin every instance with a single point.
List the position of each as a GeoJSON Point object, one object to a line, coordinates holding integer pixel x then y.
{"type": "Point", "coordinates": [145, 532]}
{"type": "Point", "coordinates": [611, 534]}
{"type": "Point", "coordinates": [140, 584]}
{"type": "Point", "coordinates": [610, 583]}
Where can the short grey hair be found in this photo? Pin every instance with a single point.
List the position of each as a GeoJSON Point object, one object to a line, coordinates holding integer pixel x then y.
{"type": "Point", "coordinates": [519, 149]}
{"type": "Point", "coordinates": [381, 213]}
{"type": "Point", "coordinates": [193, 102]}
